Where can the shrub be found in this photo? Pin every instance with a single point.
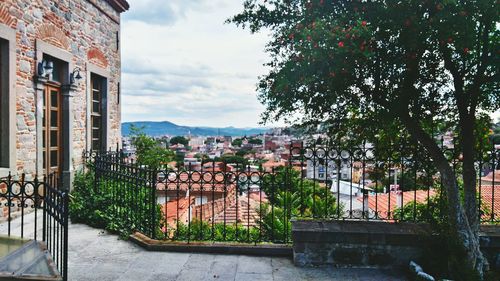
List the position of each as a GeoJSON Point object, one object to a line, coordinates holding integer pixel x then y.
{"type": "Point", "coordinates": [202, 231]}
{"type": "Point", "coordinates": [116, 206]}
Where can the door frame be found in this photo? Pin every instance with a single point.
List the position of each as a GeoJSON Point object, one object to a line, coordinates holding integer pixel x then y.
{"type": "Point", "coordinates": [67, 91]}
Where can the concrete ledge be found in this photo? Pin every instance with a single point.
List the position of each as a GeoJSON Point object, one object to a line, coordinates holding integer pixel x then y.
{"type": "Point", "coordinates": [274, 250]}
{"type": "Point", "coordinates": [371, 243]}
{"type": "Point", "coordinates": [359, 232]}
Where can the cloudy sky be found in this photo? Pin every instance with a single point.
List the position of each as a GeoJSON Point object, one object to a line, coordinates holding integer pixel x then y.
{"type": "Point", "coordinates": [181, 63]}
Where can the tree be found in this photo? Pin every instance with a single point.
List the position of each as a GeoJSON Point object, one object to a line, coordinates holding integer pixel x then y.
{"type": "Point", "coordinates": [233, 159]}
{"type": "Point", "coordinates": [301, 197]}
{"type": "Point", "coordinates": [495, 133]}
{"type": "Point", "coordinates": [255, 141]}
{"type": "Point", "coordinates": [237, 142]}
{"type": "Point", "coordinates": [389, 65]}
{"type": "Point", "coordinates": [148, 151]}
{"type": "Point", "coordinates": [179, 140]}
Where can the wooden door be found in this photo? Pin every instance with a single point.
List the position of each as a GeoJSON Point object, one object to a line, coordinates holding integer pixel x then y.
{"type": "Point", "coordinates": [52, 124]}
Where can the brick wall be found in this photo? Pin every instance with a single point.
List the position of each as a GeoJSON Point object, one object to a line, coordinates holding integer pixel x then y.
{"type": "Point", "coordinates": [87, 30]}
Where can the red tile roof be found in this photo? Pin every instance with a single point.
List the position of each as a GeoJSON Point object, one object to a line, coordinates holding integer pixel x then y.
{"type": "Point", "coordinates": [381, 201]}
{"type": "Point", "coordinates": [490, 201]}
{"type": "Point", "coordinates": [176, 207]}
{"type": "Point", "coordinates": [244, 212]}
{"type": "Point", "coordinates": [489, 177]}
{"type": "Point", "coordinates": [271, 164]}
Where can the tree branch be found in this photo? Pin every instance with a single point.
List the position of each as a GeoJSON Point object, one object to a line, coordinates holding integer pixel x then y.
{"type": "Point", "coordinates": [474, 91]}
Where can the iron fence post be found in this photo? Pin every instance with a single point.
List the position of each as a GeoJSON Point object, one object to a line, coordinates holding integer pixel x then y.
{"type": "Point", "coordinates": [153, 203]}
{"type": "Point", "coordinates": [44, 219]}
{"type": "Point", "coordinates": [65, 217]}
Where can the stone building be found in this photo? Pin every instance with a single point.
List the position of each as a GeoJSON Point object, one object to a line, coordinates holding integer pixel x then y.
{"type": "Point", "coordinates": [59, 83]}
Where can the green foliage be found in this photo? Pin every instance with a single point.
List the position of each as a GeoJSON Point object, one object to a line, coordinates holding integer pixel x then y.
{"type": "Point", "coordinates": [372, 60]}
{"type": "Point", "coordinates": [276, 224]}
{"type": "Point", "coordinates": [374, 68]}
{"type": "Point", "coordinates": [202, 231]}
{"type": "Point", "coordinates": [444, 250]}
{"type": "Point", "coordinates": [494, 135]}
{"type": "Point", "coordinates": [305, 198]}
{"type": "Point", "coordinates": [148, 151]}
{"type": "Point", "coordinates": [275, 216]}
{"type": "Point", "coordinates": [179, 158]}
{"type": "Point", "coordinates": [233, 159]}
{"type": "Point", "coordinates": [407, 180]}
{"type": "Point", "coordinates": [179, 140]}
{"type": "Point", "coordinates": [116, 206]}
{"type": "Point", "coordinates": [86, 205]}
{"type": "Point", "coordinates": [244, 151]}
{"type": "Point", "coordinates": [255, 141]}
{"type": "Point", "coordinates": [432, 211]}
{"type": "Point", "coordinates": [295, 198]}
{"type": "Point", "coordinates": [237, 142]}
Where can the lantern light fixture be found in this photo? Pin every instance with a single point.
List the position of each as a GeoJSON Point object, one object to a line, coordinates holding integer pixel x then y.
{"type": "Point", "coordinates": [75, 76]}
{"type": "Point", "coordinates": [45, 68]}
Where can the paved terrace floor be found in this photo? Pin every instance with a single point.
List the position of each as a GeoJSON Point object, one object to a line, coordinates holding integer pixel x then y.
{"type": "Point", "coordinates": [95, 255]}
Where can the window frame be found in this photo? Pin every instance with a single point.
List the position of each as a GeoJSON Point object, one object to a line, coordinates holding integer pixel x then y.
{"type": "Point", "coordinates": [48, 128]}
{"type": "Point", "coordinates": [8, 131]}
{"type": "Point", "coordinates": [97, 83]}
{"type": "Point", "coordinates": [96, 71]}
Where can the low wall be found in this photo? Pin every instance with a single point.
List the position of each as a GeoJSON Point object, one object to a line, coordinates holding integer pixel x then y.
{"type": "Point", "coordinates": [261, 249]}
{"type": "Point", "coordinates": [380, 244]}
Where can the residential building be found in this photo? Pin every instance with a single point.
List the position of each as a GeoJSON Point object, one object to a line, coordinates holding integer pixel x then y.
{"type": "Point", "coordinates": [59, 83]}
{"type": "Point", "coordinates": [322, 170]}
{"type": "Point", "coordinates": [196, 142]}
{"type": "Point", "coordinates": [192, 163]}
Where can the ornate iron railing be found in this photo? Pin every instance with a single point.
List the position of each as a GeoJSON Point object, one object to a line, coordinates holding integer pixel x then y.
{"type": "Point", "coordinates": [37, 209]}
{"type": "Point", "coordinates": [131, 189]}
{"type": "Point", "coordinates": [220, 201]}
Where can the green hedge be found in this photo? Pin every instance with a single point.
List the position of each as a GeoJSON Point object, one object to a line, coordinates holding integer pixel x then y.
{"type": "Point", "coordinates": [116, 206]}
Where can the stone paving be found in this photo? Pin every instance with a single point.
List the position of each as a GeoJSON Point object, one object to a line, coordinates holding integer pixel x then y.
{"type": "Point", "coordinates": [97, 255]}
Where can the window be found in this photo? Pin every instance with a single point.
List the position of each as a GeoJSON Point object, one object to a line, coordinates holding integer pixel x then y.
{"type": "Point", "coordinates": [4, 103]}
{"type": "Point", "coordinates": [7, 100]}
{"type": "Point", "coordinates": [98, 112]}
{"type": "Point", "coordinates": [200, 200]}
{"type": "Point", "coordinates": [117, 40]}
{"type": "Point", "coordinates": [56, 74]}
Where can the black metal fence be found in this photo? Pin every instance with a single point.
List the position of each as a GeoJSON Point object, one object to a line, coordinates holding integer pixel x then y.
{"type": "Point", "coordinates": [220, 201]}
{"type": "Point", "coordinates": [38, 210]}
{"type": "Point", "coordinates": [131, 191]}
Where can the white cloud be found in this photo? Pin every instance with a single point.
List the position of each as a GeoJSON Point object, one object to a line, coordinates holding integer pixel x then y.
{"type": "Point", "coordinates": [181, 63]}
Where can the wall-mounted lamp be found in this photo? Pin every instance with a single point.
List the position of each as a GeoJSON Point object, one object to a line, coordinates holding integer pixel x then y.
{"type": "Point", "coordinates": [75, 76]}
{"type": "Point", "coordinates": [45, 68]}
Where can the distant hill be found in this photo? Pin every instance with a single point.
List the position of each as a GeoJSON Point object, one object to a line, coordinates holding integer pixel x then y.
{"type": "Point", "coordinates": [168, 128]}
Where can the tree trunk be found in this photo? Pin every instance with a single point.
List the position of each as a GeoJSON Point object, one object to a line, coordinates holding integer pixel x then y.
{"type": "Point", "coordinates": [469, 174]}
{"type": "Point", "coordinates": [466, 237]}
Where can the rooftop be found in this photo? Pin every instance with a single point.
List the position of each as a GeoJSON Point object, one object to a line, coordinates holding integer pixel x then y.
{"type": "Point", "coordinates": [119, 5]}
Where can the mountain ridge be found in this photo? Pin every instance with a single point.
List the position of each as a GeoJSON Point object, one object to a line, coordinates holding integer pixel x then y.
{"type": "Point", "coordinates": [161, 128]}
